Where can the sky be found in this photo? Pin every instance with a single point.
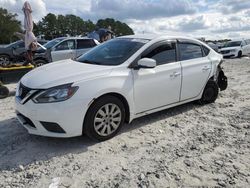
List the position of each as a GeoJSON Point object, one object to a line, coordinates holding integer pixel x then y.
{"type": "Point", "coordinates": [212, 19]}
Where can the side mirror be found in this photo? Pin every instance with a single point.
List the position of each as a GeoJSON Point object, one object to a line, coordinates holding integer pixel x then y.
{"type": "Point", "coordinates": [146, 63]}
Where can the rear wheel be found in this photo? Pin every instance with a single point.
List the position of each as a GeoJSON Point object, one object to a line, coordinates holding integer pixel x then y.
{"type": "Point", "coordinates": [210, 93]}
{"type": "Point", "coordinates": [104, 118]}
{"type": "Point", "coordinates": [39, 62]}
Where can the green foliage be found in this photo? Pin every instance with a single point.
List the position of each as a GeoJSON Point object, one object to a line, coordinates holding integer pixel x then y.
{"type": "Point", "coordinates": [53, 26]}
{"type": "Point", "coordinates": [117, 27]}
{"type": "Point", "coordinates": [8, 26]}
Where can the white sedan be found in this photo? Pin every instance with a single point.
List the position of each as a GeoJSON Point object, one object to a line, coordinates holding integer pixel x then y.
{"type": "Point", "coordinates": [116, 82]}
{"type": "Point", "coordinates": [236, 48]}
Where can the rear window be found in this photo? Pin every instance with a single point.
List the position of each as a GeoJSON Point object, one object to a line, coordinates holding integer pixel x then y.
{"type": "Point", "coordinates": [87, 43]}
{"type": "Point", "coordinates": [189, 51]}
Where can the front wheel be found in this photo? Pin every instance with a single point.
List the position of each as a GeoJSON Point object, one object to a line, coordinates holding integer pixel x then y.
{"type": "Point", "coordinates": [210, 93]}
{"type": "Point", "coordinates": [4, 92]}
{"type": "Point", "coordinates": [104, 118]}
{"type": "Point", "coordinates": [239, 54]}
{"type": "Point", "coordinates": [4, 60]}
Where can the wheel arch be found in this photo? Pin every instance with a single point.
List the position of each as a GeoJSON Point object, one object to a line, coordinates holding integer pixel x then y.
{"type": "Point", "coordinates": [41, 58]}
{"type": "Point", "coordinates": [8, 55]}
{"type": "Point", "coordinates": [115, 94]}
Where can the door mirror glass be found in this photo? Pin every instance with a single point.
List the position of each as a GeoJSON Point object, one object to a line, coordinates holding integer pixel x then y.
{"type": "Point", "coordinates": [146, 63]}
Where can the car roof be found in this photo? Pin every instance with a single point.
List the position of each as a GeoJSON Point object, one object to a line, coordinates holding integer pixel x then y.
{"type": "Point", "coordinates": [77, 38]}
{"type": "Point", "coordinates": [157, 36]}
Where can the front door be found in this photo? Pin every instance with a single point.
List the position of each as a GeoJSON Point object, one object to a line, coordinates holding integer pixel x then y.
{"type": "Point", "coordinates": [64, 50]}
{"type": "Point", "coordinates": [159, 86]}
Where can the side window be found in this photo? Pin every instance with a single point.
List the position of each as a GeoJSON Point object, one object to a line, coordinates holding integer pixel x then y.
{"type": "Point", "coordinates": [20, 45]}
{"type": "Point", "coordinates": [205, 50]}
{"type": "Point", "coordinates": [243, 43]}
{"type": "Point", "coordinates": [85, 43]}
{"type": "Point", "coordinates": [66, 45]}
{"type": "Point", "coordinates": [190, 51]}
{"type": "Point", "coordinates": [163, 54]}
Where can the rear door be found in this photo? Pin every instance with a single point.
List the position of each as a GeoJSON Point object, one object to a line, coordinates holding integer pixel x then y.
{"type": "Point", "coordinates": [84, 45]}
{"type": "Point", "coordinates": [64, 50]}
{"type": "Point", "coordinates": [247, 47]}
{"type": "Point", "coordinates": [244, 47]}
{"type": "Point", "coordinates": [196, 68]}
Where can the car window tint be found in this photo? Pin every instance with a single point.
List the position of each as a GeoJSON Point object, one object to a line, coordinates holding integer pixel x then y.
{"type": "Point", "coordinates": [20, 45]}
{"type": "Point", "coordinates": [86, 43]}
{"type": "Point", "coordinates": [205, 50]}
{"type": "Point", "coordinates": [163, 54]}
{"type": "Point", "coordinates": [66, 45]}
{"type": "Point", "coordinates": [189, 51]}
{"type": "Point", "coordinates": [243, 43]}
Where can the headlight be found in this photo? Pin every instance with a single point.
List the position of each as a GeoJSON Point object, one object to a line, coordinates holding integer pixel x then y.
{"type": "Point", "coordinates": [56, 94]}
{"type": "Point", "coordinates": [233, 50]}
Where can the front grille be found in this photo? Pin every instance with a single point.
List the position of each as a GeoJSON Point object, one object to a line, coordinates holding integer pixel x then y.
{"type": "Point", "coordinates": [26, 121]}
{"type": "Point", "coordinates": [225, 51]}
{"type": "Point", "coordinates": [23, 91]}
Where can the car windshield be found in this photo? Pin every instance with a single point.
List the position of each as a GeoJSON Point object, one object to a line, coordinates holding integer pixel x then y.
{"type": "Point", "coordinates": [113, 52]}
{"type": "Point", "coordinates": [52, 43]}
{"type": "Point", "coordinates": [232, 44]}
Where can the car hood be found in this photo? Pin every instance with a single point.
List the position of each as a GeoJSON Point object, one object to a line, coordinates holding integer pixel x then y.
{"type": "Point", "coordinates": [62, 72]}
{"type": "Point", "coordinates": [230, 48]}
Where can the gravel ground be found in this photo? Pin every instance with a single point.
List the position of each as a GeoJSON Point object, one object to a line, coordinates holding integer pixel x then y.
{"type": "Point", "coordinates": [185, 146]}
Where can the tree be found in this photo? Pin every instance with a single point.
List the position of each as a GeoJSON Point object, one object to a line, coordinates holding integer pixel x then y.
{"type": "Point", "coordinates": [117, 27]}
{"type": "Point", "coordinates": [53, 26]}
{"type": "Point", "coordinates": [8, 26]}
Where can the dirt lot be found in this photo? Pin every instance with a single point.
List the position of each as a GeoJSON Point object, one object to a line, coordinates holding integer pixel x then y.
{"type": "Point", "coordinates": [188, 146]}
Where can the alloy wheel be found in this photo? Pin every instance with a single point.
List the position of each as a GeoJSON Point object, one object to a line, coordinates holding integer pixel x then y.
{"type": "Point", "coordinates": [107, 119]}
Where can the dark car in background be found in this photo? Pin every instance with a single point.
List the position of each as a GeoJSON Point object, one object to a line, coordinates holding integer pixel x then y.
{"type": "Point", "coordinates": [63, 48]}
{"type": "Point", "coordinates": [14, 52]}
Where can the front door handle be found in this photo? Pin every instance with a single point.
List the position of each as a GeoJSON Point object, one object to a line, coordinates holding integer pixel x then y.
{"type": "Point", "coordinates": [175, 74]}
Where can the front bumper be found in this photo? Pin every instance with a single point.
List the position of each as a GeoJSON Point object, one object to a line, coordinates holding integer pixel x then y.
{"type": "Point", "coordinates": [42, 119]}
{"type": "Point", "coordinates": [229, 54]}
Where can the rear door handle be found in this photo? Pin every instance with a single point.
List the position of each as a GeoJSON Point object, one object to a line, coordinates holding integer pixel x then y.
{"type": "Point", "coordinates": [206, 68]}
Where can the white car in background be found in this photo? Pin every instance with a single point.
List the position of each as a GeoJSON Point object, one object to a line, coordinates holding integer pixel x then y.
{"type": "Point", "coordinates": [72, 47]}
{"type": "Point", "coordinates": [236, 48]}
{"type": "Point", "coordinates": [116, 82]}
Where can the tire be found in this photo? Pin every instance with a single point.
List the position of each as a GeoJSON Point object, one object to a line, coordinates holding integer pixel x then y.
{"type": "Point", "coordinates": [39, 62]}
{"type": "Point", "coordinates": [104, 118]}
{"type": "Point", "coordinates": [4, 60]}
{"type": "Point", "coordinates": [4, 92]}
{"type": "Point", "coordinates": [239, 54]}
{"type": "Point", "coordinates": [210, 93]}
